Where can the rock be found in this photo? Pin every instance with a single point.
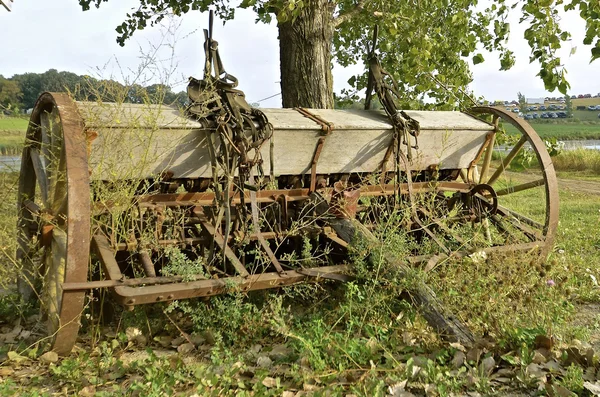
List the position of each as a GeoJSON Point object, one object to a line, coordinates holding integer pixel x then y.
{"type": "Point", "coordinates": [538, 358]}
{"type": "Point", "coordinates": [48, 357]}
{"type": "Point", "coordinates": [279, 352]}
{"type": "Point", "coordinates": [185, 348]}
{"type": "Point", "coordinates": [487, 365]}
{"type": "Point", "coordinates": [458, 360]}
{"type": "Point", "coordinates": [264, 362]}
{"type": "Point", "coordinates": [164, 340]}
{"type": "Point", "coordinates": [473, 355]}
{"type": "Point", "coordinates": [197, 340]}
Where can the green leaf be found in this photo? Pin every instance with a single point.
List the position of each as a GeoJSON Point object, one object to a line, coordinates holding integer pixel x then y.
{"type": "Point", "coordinates": [477, 59]}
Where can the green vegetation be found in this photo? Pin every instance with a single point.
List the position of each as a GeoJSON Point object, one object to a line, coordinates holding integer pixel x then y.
{"type": "Point", "coordinates": [359, 338]}
{"type": "Point", "coordinates": [578, 162]}
{"type": "Point", "coordinates": [21, 91]}
{"type": "Point", "coordinates": [562, 130]}
{"type": "Point", "coordinates": [13, 124]}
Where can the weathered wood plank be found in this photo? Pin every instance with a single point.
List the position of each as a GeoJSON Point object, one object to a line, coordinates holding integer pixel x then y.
{"type": "Point", "coordinates": [139, 141]}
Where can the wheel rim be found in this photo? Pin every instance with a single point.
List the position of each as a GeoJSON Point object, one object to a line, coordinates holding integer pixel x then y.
{"type": "Point", "coordinates": [54, 209]}
{"type": "Point", "coordinates": [527, 199]}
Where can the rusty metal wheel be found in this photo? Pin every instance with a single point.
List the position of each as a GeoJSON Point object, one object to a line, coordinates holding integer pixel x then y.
{"type": "Point", "coordinates": [54, 216]}
{"type": "Point", "coordinates": [516, 173]}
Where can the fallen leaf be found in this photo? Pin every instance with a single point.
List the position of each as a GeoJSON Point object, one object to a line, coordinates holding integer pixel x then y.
{"type": "Point", "coordinates": [132, 333]}
{"type": "Point", "coordinates": [593, 388]}
{"type": "Point", "coordinates": [544, 341]}
{"type": "Point", "coordinates": [87, 391]}
{"type": "Point", "coordinates": [48, 357]}
{"type": "Point", "coordinates": [5, 371]}
{"type": "Point", "coordinates": [555, 390]}
{"type": "Point", "coordinates": [269, 382]}
{"type": "Point", "coordinates": [394, 389]}
{"type": "Point", "coordinates": [264, 362]}
{"type": "Point", "coordinates": [458, 360]}
{"type": "Point", "coordinates": [16, 357]}
{"type": "Point", "coordinates": [458, 346]}
{"type": "Point", "coordinates": [535, 370]}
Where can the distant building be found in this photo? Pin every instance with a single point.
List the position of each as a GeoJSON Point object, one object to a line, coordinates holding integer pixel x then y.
{"type": "Point", "coordinates": [534, 101]}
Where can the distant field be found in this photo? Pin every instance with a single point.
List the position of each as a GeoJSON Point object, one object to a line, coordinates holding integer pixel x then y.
{"type": "Point", "coordinates": [13, 124]}
{"type": "Point", "coordinates": [563, 131]}
{"type": "Point", "coordinates": [586, 115]}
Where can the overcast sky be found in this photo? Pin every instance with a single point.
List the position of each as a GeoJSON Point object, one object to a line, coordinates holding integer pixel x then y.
{"type": "Point", "coordinates": [42, 34]}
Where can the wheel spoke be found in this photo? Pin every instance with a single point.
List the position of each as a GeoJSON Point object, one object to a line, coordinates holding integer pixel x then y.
{"type": "Point", "coordinates": [507, 160]}
{"type": "Point", "coordinates": [488, 156]}
{"type": "Point", "coordinates": [45, 139]}
{"type": "Point", "coordinates": [55, 259]}
{"type": "Point", "coordinates": [509, 213]}
{"type": "Point", "coordinates": [521, 187]}
{"type": "Point", "coordinates": [40, 174]}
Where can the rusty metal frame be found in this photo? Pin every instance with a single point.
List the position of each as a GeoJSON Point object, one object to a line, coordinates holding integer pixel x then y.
{"type": "Point", "coordinates": [326, 127]}
{"type": "Point", "coordinates": [129, 295]}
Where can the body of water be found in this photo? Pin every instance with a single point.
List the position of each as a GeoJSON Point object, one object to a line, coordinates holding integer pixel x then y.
{"type": "Point", "coordinates": [10, 163]}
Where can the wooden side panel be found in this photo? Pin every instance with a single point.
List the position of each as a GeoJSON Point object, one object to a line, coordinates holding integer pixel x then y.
{"type": "Point", "coordinates": [133, 154]}
{"type": "Point", "coordinates": [137, 153]}
{"type": "Point", "coordinates": [129, 115]}
{"type": "Point", "coordinates": [141, 141]}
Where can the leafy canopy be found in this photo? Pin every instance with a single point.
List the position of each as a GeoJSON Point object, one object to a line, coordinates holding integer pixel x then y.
{"type": "Point", "coordinates": [425, 44]}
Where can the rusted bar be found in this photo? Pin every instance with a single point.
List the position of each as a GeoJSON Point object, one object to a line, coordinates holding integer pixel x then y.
{"type": "Point", "coordinates": [521, 187]}
{"type": "Point", "coordinates": [269, 196]}
{"type": "Point", "coordinates": [220, 242]}
{"type": "Point", "coordinates": [202, 288]}
{"type": "Point", "coordinates": [147, 263]}
{"type": "Point", "coordinates": [507, 160]}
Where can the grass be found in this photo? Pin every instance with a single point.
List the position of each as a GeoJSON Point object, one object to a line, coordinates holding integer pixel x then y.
{"type": "Point", "coordinates": [355, 338]}
{"type": "Point", "coordinates": [562, 130]}
{"type": "Point", "coordinates": [578, 160]}
{"type": "Point", "coordinates": [12, 135]}
{"type": "Point", "coordinates": [13, 124]}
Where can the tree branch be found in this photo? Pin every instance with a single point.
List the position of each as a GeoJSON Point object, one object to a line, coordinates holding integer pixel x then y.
{"type": "Point", "coordinates": [349, 14]}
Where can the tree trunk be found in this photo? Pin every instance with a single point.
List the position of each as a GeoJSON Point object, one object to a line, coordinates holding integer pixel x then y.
{"type": "Point", "coordinates": [305, 56]}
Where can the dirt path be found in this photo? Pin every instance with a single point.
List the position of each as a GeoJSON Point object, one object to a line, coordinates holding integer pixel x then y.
{"type": "Point", "coordinates": [575, 185]}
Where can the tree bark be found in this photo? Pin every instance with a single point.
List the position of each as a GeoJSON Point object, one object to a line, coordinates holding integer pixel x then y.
{"type": "Point", "coordinates": [305, 57]}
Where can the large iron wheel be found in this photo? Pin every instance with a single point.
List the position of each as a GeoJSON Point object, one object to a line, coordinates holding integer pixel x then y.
{"type": "Point", "coordinates": [54, 216]}
{"type": "Point", "coordinates": [515, 193]}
